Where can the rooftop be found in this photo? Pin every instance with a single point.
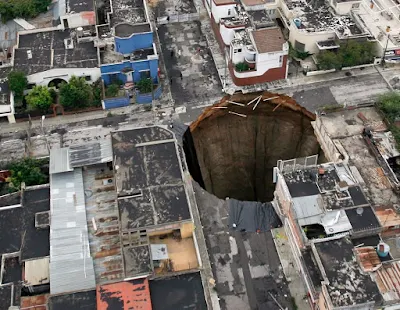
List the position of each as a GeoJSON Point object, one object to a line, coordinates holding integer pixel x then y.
{"type": "Point", "coordinates": [362, 218]}
{"type": "Point", "coordinates": [260, 19]}
{"type": "Point", "coordinates": [13, 229]}
{"type": "Point", "coordinates": [79, 6]}
{"type": "Point", "coordinates": [110, 56]}
{"type": "Point", "coordinates": [268, 40]}
{"type": "Point", "coordinates": [134, 294]}
{"type": "Point", "coordinates": [378, 18]}
{"type": "Point", "coordinates": [41, 51]}
{"type": "Point", "coordinates": [180, 292]}
{"type": "Point", "coordinates": [345, 129]}
{"type": "Point", "coordinates": [77, 300]}
{"type": "Point", "coordinates": [148, 178]}
{"type": "Point", "coordinates": [71, 265]}
{"type": "Point", "coordinates": [317, 16]}
{"type": "Point", "coordinates": [126, 30]}
{"type": "Point", "coordinates": [388, 216]}
{"type": "Point", "coordinates": [128, 11]}
{"type": "Point", "coordinates": [348, 285]}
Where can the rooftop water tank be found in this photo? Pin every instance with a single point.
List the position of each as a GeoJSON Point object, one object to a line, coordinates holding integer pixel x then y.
{"type": "Point", "coordinates": [383, 249]}
{"type": "Point", "coordinates": [297, 22]}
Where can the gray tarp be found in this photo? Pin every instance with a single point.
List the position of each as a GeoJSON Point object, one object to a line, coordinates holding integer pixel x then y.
{"type": "Point", "coordinates": [251, 216]}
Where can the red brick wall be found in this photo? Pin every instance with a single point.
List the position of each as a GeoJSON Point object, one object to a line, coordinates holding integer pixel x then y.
{"type": "Point", "coordinates": [269, 76]}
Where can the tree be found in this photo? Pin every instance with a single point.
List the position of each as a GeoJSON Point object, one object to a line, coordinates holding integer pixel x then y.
{"type": "Point", "coordinates": [145, 86]}
{"type": "Point", "coordinates": [329, 60]}
{"type": "Point", "coordinates": [11, 9]}
{"type": "Point", "coordinates": [77, 93]}
{"type": "Point", "coordinates": [27, 170]}
{"type": "Point", "coordinates": [389, 103]}
{"type": "Point", "coordinates": [18, 82]}
{"type": "Point", "coordinates": [112, 90]}
{"type": "Point", "coordinates": [39, 99]}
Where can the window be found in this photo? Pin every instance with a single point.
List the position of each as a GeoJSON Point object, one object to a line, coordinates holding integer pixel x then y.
{"type": "Point", "coordinates": [145, 74]}
{"type": "Point", "coordinates": [229, 12]}
{"type": "Point", "coordinates": [299, 46]}
{"type": "Point", "coordinates": [280, 60]}
{"type": "Point", "coordinates": [88, 78]}
{"type": "Point", "coordinates": [6, 35]}
{"type": "Point", "coordinates": [355, 6]}
{"type": "Point", "coordinates": [30, 86]}
{"type": "Point", "coordinates": [237, 50]}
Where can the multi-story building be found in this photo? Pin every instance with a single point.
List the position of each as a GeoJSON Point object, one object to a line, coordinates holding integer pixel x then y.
{"type": "Point", "coordinates": [254, 47]}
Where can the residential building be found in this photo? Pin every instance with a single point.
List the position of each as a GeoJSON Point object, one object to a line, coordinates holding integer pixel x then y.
{"type": "Point", "coordinates": [341, 217]}
{"type": "Point", "coordinates": [254, 46]}
{"type": "Point", "coordinates": [75, 13]}
{"type": "Point", "coordinates": [127, 50]}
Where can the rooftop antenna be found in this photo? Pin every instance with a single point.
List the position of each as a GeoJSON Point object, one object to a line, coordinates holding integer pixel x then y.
{"type": "Point", "coordinates": [360, 211]}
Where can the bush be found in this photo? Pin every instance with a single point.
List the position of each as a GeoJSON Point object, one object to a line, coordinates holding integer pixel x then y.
{"type": "Point", "coordinates": [77, 93]}
{"type": "Point", "coordinates": [27, 170]}
{"type": "Point", "coordinates": [39, 98]}
{"type": "Point", "coordinates": [351, 53]}
{"type": "Point", "coordinates": [240, 67]}
{"type": "Point", "coordinates": [145, 86]}
{"type": "Point", "coordinates": [18, 82]}
{"type": "Point", "coordinates": [11, 9]}
{"type": "Point", "coordinates": [389, 103]}
{"type": "Point", "coordinates": [112, 90]}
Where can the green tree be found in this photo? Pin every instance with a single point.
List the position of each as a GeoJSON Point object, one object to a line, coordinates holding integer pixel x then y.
{"type": "Point", "coordinates": [389, 103]}
{"type": "Point", "coordinates": [112, 90]}
{"type": "Point", "coordinates": [22, 8]}
{"type": "Point", "coordinates": [39, 98]}
{"type": "Point", "coordinates": [145, 86]}
{"type": "Point", "coordinates": [77, 93]}
{"type": "Point", "coordinates": [329, 60]}
{"type": "Point", "coordinates": [18, 82]}
{"type": "Point", "coordinates": [27, 170]}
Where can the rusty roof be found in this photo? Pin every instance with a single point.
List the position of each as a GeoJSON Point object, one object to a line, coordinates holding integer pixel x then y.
{"type": "Point", "coordinates": [253, 2]}
{"type": "Point", "coordinates": [134, 294]}
{"type": "Point", "coordinates": [387, 216]}
{"type": "Point", "coordinates": [368, 258]}
{"type": "Point", "coordinates": [268, 40]}
{"type": "Point", "coordinates": [224, 2]}
{"type": "Point", "coordinates": [387, 279]}
{"type": "Point", "coordinates": [34, 302]}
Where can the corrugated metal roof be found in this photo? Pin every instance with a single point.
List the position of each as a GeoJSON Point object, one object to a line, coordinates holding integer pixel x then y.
{"type": "Point", "coordinates": [59, 160]}
{"type": "Point", "coordinates": [71, 266]}
{"type": "Point", "coordinates": [91, 153]}
{"type": "Point", "coordinates": [307, 209]}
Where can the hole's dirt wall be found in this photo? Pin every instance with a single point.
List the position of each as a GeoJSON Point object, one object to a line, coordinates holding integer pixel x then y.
{"type": "Point", "coordinates": [236, 154]}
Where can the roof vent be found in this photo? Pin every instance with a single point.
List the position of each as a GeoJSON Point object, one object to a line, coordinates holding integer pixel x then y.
{"type": "Point", "coordinates": [42, 219]}
{"type": "Point", "coordinates": [29, 54]}
{"type": "Point", "coordinates": [69, 44]}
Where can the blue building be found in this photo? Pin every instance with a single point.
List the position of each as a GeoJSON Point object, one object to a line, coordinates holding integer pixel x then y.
{"type": "Point", "coordinates": [127, 50]}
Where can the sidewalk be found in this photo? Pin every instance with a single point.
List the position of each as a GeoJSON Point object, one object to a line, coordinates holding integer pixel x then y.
{"type": "Point", "coordinates": [296, 285]}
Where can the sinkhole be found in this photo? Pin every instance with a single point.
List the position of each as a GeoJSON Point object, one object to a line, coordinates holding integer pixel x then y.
{"type": "Point", "coordinates": [232, 148]}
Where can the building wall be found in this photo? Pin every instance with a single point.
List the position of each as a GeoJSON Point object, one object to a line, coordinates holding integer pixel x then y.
{"type": "Point", "coordinates": [343, 8]}
{"type": "Point", "coordinates": [251, 77]}
{"type": "Point", "coordinates": [45, 77]}
{"type": "Point", "coordinates": [221, 11]}
{"type": "Point", "coordinates": [138, 66]}
{"type": "Point", "coordinates": [111, 103]}
{"type": "Point", "coordinates": [8, 34]}
{"type": "Point", "coordinates": [308, 39]}
{"type": "Point", "coordinates": [133, 43]}
{"type": "Point", "coordinates": [227, 33]}
{"type": "Point", "coordinates": [79, 19]}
